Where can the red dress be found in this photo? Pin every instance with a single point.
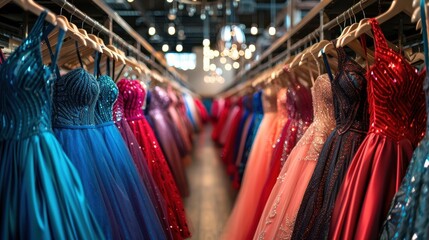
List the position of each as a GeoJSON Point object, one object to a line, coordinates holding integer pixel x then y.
{"type": "Point", "coordinates": [396, 103]}
{"type": "Point", "coordinates": [132, 94]}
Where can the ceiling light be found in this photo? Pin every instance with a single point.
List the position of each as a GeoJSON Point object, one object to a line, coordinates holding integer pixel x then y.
{"type": "Point", "coordinates": [165, 48]}
{"type": "Point", "coordinates": [203, 16]}
{"type": "Point", "coordinates": [206, 42]}
{"type": "Point", "coordinates": [228, 67]}
{"type": "Point", "coordinates": [252, 47]}
{"type": "Point", "coordinates": [236, 65]}
{"type": "Point", "coordinates": [216, 53]}
{"type": "Point", "coordinates": [247, 54]}
{"type": "Point", "coordinates": [152, 30]}
{"type": "Point", "coordinates": [241, 53]}
{"type": "Point", "coordinates": [212, 67]}
{"type": "Point", "coordinates": [130, 1]}
{"type": "Point", "coordinates": [272, 31]}
{"type": "Point", "coordinates": [254, 29]}
{"type": "Point", "coordinates": [171, 29]}
{"type": "Point", "coordinates": [222, 60]}
{"type": "Point", "coordinates": [169, 1]}
{"type": "Point", "coordinates": [179, 47]}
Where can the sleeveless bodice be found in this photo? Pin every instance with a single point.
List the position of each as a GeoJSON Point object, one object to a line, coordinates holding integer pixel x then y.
{"type": "Point", "coordinates": [132, 99]}
{"type": "Point", "coordinates": [269, 100]}
{"type": "Point", "coordinates": [159, 99]}
{"type": "Point", "coordinates": [350, 96]}
{"type": "Point", "coordinates": [257, 103]}
{"type": "Point", "coordinates": [323, 103]}
{"type": "Point", "coordinates": [108, 95]}
{"type": "Point", "coordinates": [75, 97]}
{"type": "Point", "coordinates": [395, 93]}
{"type": "Point", "coordinates": [26, 88]}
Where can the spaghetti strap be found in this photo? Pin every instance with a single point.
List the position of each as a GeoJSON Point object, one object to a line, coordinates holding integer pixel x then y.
{"type": "Point", "coordinates": [328, 68]}
{"type": "Point", "coordinates": [78, 53]}
{"type": "Point", "coordinates": [379, 38]}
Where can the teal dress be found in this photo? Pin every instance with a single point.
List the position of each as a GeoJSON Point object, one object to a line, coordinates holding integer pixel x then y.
{"type": "Point", "coordinates": [41, 193]}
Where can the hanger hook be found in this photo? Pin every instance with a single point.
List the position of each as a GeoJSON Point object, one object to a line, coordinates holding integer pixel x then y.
{"type": "Point", "coordinates": [363, 11]}
{"type": "Point", "coordinates": [74, 11]}
{"type": "Point", "coordinates": [84, 19]}
{"type": "Point", "coordinates": [61, 10]}
{"type": "Point", "coordinates": [354, 15]}
{"type": "Point", "coordinates": [345, 19]}
{"type": "Point", "coordinates": [339, 25]}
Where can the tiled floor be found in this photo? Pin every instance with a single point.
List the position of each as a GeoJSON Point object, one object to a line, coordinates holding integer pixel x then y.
{"type": "Point", "coordinates": [211, 196]}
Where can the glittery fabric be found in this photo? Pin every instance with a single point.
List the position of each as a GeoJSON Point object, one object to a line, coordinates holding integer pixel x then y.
{"type": "Point", "coordinates": [42, 196]}
{"type": "Point", "coordinates": [351, 116]}
{"type": "Point", "coordinates": [128, 106]}
{"type": "Point", "coordinates": [120, 205]}
{"type": "Point", "coordinates": [278, 218]}
{"type": "Point", "coordinates": [241, 218]}
{"type": "Point", "coordinates": [396, 101]}
{"type": "Point", "coordinates": [168, 137]}
{"type": "Point", "coordinates": [108, 94]}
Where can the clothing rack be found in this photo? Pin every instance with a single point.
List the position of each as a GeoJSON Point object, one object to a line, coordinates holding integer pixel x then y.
{"type": "Point", "coordinates": [280, 58]}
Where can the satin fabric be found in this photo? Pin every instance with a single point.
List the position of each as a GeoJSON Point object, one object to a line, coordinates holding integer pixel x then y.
{"type": "Point", "coordinates": [396, 100]}
{"type": "Point", "coordinates": [241, 218]}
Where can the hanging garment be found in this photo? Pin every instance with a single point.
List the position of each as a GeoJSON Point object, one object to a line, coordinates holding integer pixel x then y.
{"type": "Point", "coordinates": [173, 110]}
{"type": "Point", "coordinates": [41, 191]}
{"type": "Point", "coordinates": [75, 98]}
{"type": "Point", "coordinates": [227, 127]}
{"type": "Point", "coordinates": [351, 116]}
{"type": "Point", "coordinates": [168, 137]}
{"type": "Point", "coordinates": [228, 155]}
{"type": "Point", "coordinates": [220, 124]}
{"type": "Point", "coordinates": [241, 218]}
{"type": "Point", "coordinates": [299, 111]}
{"type": "Point", "coordinates": [396, 98]}
{"type": "Point", "coordinates": [408, 215]}
{"type": "Point", "coordinates": [129, 103]}
{"type": "Point", "coordinates": [277, 220]}
{"type": "Point", "coordinates": [258, 114]}
{"type": "Point", "coordinates": [141, 200]}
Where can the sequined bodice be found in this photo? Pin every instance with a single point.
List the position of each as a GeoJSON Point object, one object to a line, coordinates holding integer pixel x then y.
{"type": "Point", "coordinates": [75, 96]}
{"type": "Point", "coordinates": [132, 96]}
{"type": "Point", "coordinates": [25, 89]}
{"type": "Point", "coordinates": [323, 109]}
{"type": "Point", "coordinates": [350, 96]}
{"type": "Point", "coordinates": [106, 99]}
{"type": "Point", "coordinates": [159, 99]}
{"type": "Point", "coordinates": [269, 100]}
{"type": "Point", "coordinates": [395, 93]}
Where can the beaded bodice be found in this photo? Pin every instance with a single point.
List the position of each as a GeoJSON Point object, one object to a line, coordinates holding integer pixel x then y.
{"type": "Point", "coordinates": [395, 94]}
{"type": "Point", "coordinates": [106, 99]}
{"type": "Point", "coordinates": [26, 88]}
{"type": "Point", "coordinates": [131, 97]}
{"type": "Point", "coordinates": [350, 96]}
{"type": "Point", "coordinates": [75, 97]}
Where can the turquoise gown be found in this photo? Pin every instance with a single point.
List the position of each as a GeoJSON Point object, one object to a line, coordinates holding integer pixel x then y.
{"type": "Point", "coordinates": [41, 193]}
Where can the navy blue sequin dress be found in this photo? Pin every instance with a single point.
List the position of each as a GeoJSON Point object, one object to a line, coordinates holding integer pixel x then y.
{"type": "Point", "coordinates": [41, 194]}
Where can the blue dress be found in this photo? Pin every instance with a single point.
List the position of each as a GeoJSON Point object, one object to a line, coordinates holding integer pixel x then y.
{"type": "Point", "coordinates": [149, 212]}
{"type": "Point", "coordinates": [41, 193]}
{"type": "Point", "coordinates": [75, 98]}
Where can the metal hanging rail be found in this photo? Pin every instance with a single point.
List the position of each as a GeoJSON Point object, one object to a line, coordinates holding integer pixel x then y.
{"type": "Point", "coordinates": [349, 13]}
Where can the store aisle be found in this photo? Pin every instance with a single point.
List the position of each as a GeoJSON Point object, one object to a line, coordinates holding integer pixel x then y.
{"type": "Point", "coordinates": [212, 197]}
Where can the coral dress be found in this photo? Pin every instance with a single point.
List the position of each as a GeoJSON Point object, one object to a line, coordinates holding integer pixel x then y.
{"type": "Point", "coordinates": [351, 115]}
{"type": "Point", "coordinates": [130, 102]}
{"type": "Point", "coordinates": [277, 220]}
{"type": "Point", "coordinates": [396, 101]}
{"type": "Point", "coordinates": [241, 219]}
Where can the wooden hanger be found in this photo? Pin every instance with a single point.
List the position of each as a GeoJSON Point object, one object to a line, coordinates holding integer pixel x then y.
{"type": "Point", "coordinates": [396, 7]}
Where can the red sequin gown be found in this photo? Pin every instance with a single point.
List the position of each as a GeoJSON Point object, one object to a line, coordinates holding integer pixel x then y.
{"type": "Point", "coordinates": [131, 95]}
{"type": "Point", "coordinates": [396, 104]}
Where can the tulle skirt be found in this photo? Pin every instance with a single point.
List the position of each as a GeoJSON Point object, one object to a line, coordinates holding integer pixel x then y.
{"type": "Point", "coordinates": [409, 213]}
{"type": "Point", "coordinates": [41, 192]}
{"type": "Point", "coordinates": [240, 222]}
{"type": "Point", "coordinates": [145, 208]}
{"type": "Point", "coordinates": [369, 186]}
{"type": "Point", "coordinates": [157, 175]}
{"type": "Point", "coordinates": [103, 184]}
{"type": "Point", "coordinates": [316, 208]}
